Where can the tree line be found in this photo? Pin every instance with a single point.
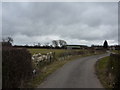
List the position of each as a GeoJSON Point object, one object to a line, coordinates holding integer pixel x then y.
{"type": "Point", "coordinates": [57, 44]}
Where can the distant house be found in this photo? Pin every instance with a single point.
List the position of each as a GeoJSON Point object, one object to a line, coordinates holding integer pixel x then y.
{"type": "Point", "coordinates": [115, 47]}
{"type": "Point", "coordinates": [112, 48]}
{"type": "Point", "coordinates": [76, 47]}
{"type": "Point", "coordinates": [96, 47]}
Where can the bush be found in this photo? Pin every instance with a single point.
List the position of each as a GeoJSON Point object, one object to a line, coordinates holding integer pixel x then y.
{"type": "Point", "coordinates": [16, 67]}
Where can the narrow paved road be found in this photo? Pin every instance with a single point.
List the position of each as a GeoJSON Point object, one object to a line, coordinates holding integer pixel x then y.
{"type": "Point", "coordinates": [79, 73]}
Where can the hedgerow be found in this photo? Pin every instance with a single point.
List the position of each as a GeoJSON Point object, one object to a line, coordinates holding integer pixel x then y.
{"type": "Point", "coordinates": [16, 67]}
{"type": "Point", "coordinates": [114, 69]}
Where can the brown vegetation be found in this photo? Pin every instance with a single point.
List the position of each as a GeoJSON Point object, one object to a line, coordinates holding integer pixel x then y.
{"type": "Point", "coordinates": [16, 67]}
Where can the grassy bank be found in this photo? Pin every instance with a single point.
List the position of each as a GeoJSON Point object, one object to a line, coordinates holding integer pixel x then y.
{"type": "Point", "coordinates": [108, 71]}
{"type": "Point", "coordinates": [102, 71]}
{"type": "Point", "coordinates": [116, 51]}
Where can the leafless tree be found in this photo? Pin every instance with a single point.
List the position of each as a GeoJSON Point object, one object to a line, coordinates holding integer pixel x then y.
{"type": "Point", "coordinates": [55, 43]}
{"type": "Point", "coordinates": [62, 43]}
{"type": "Point", "coordinates": [8, 39]}
{"type": "Point", "coordinates": [39, 44]}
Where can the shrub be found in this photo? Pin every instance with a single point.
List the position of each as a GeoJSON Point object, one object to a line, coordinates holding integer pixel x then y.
{"type": "Point", "coordinates": [16, 67]}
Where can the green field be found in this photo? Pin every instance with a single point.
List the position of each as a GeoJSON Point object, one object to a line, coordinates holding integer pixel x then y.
{"type": "Point", "coordinates": [57, 51]}
{"type": "Point", "coordinates": [116, 51]}
{"type": "Point", "coordinates": [44, 51]}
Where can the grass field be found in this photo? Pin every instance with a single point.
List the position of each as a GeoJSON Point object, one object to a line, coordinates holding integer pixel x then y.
{"type": "Point", "coordinates": [57, 51]}
{"type": "Point", "coordinates": [101, 71]}
{"type": "Point", "coordinates": [116, 51]}
{"type": "Point", "coordinates": [44, 51]}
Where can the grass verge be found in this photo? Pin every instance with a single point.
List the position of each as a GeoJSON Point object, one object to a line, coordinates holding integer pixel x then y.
{"type": "Point", "coordinates": [116, 51]}
{"type": "Point", "coordinates": [101, 71]}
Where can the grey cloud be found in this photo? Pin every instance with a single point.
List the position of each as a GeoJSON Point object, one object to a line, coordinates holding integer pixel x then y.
{"type": "Point", "coordinates": [72, 21]}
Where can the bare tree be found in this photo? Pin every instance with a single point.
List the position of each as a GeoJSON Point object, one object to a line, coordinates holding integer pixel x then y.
{"type": "Point", "coordinates": [62, 43]}
{"type": "Point", "coordinates": [39, 44]}
{"type": "Point", "coordinates": [7, 41]}
{"type": "Point", "coordinates": [55, 43]}
{"type": "Point", "coordinates": [10, 40]}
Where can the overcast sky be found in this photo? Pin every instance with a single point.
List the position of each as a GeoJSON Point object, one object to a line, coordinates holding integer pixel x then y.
{"type": "Point", "coordinates": [77, 23]}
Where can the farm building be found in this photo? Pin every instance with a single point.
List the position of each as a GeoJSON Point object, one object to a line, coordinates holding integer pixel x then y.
{"type": "Point", "coordinates": [76, 47]}
{"type": "Point", "coordinates": [97, 47]}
